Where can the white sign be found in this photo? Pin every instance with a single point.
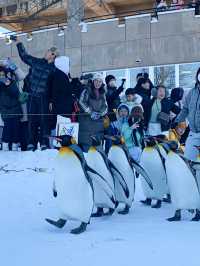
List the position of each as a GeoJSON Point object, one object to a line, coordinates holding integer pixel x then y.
{"type": "Point", "coordinates": [64, 126]}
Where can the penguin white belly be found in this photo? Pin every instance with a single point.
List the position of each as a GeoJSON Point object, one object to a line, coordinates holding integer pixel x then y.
{"type": "Point", "coordinates": [164, 154]}
{"type": "Point", "coordinates": [182, 184]}
{"type": "Point", "coordinates": [75, 195]}
{"type": "Point", "coordinates": [103, 190]}
{"type": "Point", "coordinates": [151, 162]}
{"type": "Point", "coordinates": [118, 157]}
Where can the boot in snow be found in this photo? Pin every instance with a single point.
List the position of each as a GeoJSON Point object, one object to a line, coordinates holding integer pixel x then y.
{"type": "Point", "coordinates": [80, 229]}
{"type": "Point", "coordinates": [59, 224]}
{"type": "Point", "coordinates": [5, 146]}
{"type": "Point", "coordinates": [146, 202]}
{"type": "Point", "coordinates": [157, 205]}
{"type": "Point", "coordinates": [125, 210]}
{"type": "Point", "coordinates": [196, 218]}
{"type": "Point", "coordinates": [176, 218]}
{"type": "Point", "coordinates": [99, 213]}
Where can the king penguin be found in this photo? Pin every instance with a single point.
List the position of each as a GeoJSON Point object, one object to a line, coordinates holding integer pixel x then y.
{"type": "Point", "coordinates": [73, 187]}
{"type": "Point", "coordinates": [183, 184]}
{"type": "Point", "coordinates": [120, 158]}
{"type": "Point", "coordinates": [104, 194]}
{"type": "Point", "coordinates": [152, 160]}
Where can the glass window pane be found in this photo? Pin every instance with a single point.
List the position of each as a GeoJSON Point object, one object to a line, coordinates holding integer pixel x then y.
{"type": "Point", "coordinates": [165, 75]}
{"type": "Point", "coordinates": [187, 73]}
{"type": "Point", "coordinates": [133, 75]}
{"type": "Point", "coordinates": [119, 75]}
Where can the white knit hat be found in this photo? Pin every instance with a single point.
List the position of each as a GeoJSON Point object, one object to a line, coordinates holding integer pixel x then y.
{"type": "Point", "coordinates": [98, 76]}
{"type": "Point", "coordinates": [62, 63]}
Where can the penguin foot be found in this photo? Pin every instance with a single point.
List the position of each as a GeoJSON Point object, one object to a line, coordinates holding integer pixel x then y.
{"type": "Point", "coordinates": [124, 211]}
{"type": "Point", "coordinates": [146, 202]}
{"type": "Point", "coordinates": [59, 224]}
{"type": "Point", "coordinates": [110, 212]}
{"type": "Point", "coordinates": [157, 205]}
{"type": "Point", "coordinates": [80, 229]}
{"type": "Point", "coordinates": [176, 218]}
{"type": "Point", "coordinates": [168, 199]}
{"type": "Point", "coordinates": [196, 218]}
{"type": "Point", "coordinates": [99, 213]}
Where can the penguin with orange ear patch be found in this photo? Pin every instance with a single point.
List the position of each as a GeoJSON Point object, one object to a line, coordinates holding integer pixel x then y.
{"type": "Point", "coordinates": [73, 187]}
{"type": "Point", "coordinates": [183, 184]}
{"type": "Point", "coordinates": [120, 158]}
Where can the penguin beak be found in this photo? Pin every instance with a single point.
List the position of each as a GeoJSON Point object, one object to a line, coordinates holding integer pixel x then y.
{"type": "Point", "coordinates": [122, 140]}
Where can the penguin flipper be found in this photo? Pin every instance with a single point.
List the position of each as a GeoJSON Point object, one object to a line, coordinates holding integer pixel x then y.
{"type": "Point", "coordinates": [121, 179]}
{"type": "Point", "coordinates": [161, 157]}
{"type": "Point", "coordinates": [139, 169]}
{"type": "Point", "coordinates": [99, 178]}
{"type": "Point", "coordinates": [192, 167]}
{"type": "Point", "coordinates": [189, 164]}
{"type": "Point", "coordinates": [89, 169]}
{"type": "Point", "coordinates": [195, 165]}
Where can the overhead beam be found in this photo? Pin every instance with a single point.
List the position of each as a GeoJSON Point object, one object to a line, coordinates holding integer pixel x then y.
{"type": "Point", "coordinates": [100, 7]}
{"type": "Point", "coordinates": [57, 12]}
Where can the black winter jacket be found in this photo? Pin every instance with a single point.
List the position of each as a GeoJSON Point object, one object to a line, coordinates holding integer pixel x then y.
{"type": "Point", "coordinates": [166, 106]}
{"type": "Point", "coordinates": [113, 100]}
{"type": "Point", "coordinates": [142, 92]}
{"type": "Point", "coordinates": [40, 70]}
{"type": "Point", "coordinates": [9, 104]}
{"type": "Point", "coordinates": [60, 93]}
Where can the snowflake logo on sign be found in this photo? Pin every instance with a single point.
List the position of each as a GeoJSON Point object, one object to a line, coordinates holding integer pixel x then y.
{"type": "Point", "coordinates": [67, 131]}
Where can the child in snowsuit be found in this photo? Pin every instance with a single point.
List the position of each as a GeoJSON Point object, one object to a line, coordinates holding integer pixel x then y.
{"type": "Point", "coordinates": [116, 126]}
{"type": "Point", "coordinates": [122, 118]}
{"type": "Point", "coordinates": [132, 99]}
{"type": "Point", "coordinates": [176, 134]}
{"type": "Point", "coordinates": [133, 133]}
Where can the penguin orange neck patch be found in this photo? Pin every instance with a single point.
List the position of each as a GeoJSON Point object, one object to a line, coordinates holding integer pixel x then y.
{"type": "Point", "coordinates": [148, 149]}
{"type": "Point", "coordinates": [65, 150]}
{"type": "Point", "coordinates": [92, 149]}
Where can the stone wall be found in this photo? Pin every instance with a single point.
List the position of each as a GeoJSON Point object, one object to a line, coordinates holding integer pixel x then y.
{"type": "Point", "coordinates": [175, 38]}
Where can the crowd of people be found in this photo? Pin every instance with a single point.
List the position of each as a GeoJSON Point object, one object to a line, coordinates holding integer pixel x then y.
{"type": "Point", "coordinates": [162, 5]}
{"type": "Point", "coordinates": [29, 111]}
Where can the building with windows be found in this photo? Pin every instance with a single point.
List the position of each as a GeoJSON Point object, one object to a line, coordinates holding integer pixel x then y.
{"type": "Point", "coordinates": [115, 36]}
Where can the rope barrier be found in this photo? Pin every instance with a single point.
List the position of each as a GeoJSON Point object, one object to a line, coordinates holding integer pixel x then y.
{"type": "Point", "coordinates": [45, 114]}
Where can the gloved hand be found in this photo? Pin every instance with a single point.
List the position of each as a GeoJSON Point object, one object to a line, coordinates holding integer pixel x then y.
{"type": "Point", "coordinates": [121, 88]}
{"type": "Point", "coordinates": [55, 194]}
{"type": "Point", "coordinates": [10, 64]}
{"type": "Point", "coordinates": [95, 116]}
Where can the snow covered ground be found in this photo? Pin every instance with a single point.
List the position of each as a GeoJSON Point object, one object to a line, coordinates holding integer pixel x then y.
{"type": "Point", "coordinates": [143, 237]}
